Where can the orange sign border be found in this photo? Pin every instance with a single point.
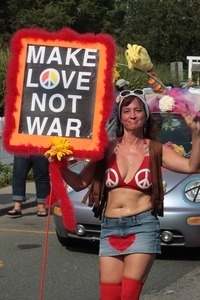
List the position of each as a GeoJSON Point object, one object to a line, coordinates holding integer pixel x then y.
{"type": "Point", "coordinates": [15, 142]}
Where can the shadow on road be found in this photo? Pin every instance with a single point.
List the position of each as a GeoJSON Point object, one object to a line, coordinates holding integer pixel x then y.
{"type": "Point", "coordinates": [83, 246]}
{"type": "Point", "coordinates": [179, 253]}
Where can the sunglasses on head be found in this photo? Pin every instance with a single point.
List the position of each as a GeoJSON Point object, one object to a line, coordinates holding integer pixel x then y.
{"type": "Point", "coordinates": [127, 93]}
{"type": "Point", "coordinates": [138, 93]}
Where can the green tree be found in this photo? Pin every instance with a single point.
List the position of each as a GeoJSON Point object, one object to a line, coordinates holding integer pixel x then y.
{"type": "Point", "coordinates": [4, 19]}
{"type": "Point", "coordinates": [168, 29]}
{"type": "Point", "coordinates": [81, 15]}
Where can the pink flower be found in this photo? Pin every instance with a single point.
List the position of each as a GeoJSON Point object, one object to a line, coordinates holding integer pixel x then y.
{"type": "Point", "coordinates": [169, 144]}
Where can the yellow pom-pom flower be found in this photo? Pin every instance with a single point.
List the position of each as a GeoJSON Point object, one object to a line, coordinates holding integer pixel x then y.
{"type": "Point", "coordinates": [138, 58]}
{"type": "Point", "coordinates": [59, 148]}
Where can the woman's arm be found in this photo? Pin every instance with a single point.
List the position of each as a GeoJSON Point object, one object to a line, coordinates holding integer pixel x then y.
{"type": "Point", "coordinates": [194, 125]}
{"type": "Point", "coordinates": [79, 181]}
{"type": "Point", "coordinates": [177, 163]}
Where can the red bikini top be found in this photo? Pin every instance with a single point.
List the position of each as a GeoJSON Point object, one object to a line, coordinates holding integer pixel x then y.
{"type": "Point", "coordinates": [141, 181]}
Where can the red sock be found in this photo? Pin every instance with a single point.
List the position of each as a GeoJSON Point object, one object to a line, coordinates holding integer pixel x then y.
{"type": "Point", "coordinates": [110, 291]}
{"type": "Point", "coordinates": [131, 289]}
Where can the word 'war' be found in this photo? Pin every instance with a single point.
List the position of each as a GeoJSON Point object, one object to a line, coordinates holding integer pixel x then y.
{"type": "Point", "coordinates": [40, 126]}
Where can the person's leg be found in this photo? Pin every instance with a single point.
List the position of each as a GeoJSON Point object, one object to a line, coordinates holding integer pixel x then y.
{"type": "Point", "coordinates": [131, 289]}
{"type": "Point", "coordinates": [111, 271]}
{"type": "Point", "coordinates": [136, 270]}
{"type": "Point", "coordinates": [110, 291]}
{"type": "Point", "coordinates": [42, 181]}
{"type": "Point", "coordinates": [21, 167]}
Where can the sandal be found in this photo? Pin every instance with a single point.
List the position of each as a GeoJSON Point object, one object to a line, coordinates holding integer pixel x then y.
{"type": "Point", "coordinates": [41, 213]}
{"type": "Point", "coordinates": [14, 212]}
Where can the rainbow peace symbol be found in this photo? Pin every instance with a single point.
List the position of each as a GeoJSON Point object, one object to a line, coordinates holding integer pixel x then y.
{"type": "Point", "coordinates": [49, 79]}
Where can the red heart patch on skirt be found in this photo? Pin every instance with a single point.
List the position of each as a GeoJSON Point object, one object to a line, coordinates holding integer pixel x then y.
{"type": "Point", "coordinates": [121, 243]}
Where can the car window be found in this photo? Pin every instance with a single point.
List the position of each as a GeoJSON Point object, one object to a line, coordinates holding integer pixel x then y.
{"type": "Point", "coordinates": [173, 129]}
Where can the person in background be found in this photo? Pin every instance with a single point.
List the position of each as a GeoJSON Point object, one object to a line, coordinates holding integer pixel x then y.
{"type": "Point", "coordinates": [120, 85]}
{"type": "Point", "coordinates": [132, 199]}
{"type": "Point", "coordinates": [21, 167]}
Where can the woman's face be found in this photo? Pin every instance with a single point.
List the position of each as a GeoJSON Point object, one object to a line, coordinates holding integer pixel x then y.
{"type": "Point", "coordinates": [133, 115]}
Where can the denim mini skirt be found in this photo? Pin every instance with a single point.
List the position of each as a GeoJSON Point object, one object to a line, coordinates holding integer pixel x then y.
{"type": "Point", "coordinates": [134, 234]}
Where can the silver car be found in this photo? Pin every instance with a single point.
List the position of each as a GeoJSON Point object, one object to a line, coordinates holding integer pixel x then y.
{"type": "Point", "coordinates": [180, 225]}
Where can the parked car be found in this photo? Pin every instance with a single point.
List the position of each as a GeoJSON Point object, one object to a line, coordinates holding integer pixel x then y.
{"type": "Point", "coordinates": [180, 225]}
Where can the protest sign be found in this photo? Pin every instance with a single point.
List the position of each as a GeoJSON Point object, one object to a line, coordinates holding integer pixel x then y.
{"type": "Point", "coordinates": [59, 84]}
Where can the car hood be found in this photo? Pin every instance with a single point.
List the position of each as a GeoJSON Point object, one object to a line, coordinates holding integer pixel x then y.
{"type": "Point", "coordinates": [172, 179]}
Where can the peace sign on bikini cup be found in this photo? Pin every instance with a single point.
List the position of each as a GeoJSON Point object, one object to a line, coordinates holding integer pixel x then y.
{"type": "Point", "coordinates": [141, 178]}
{"type": "Point", "coordinates": [112, 178]}
{"type": "Point", "coordinates": [143, 183]}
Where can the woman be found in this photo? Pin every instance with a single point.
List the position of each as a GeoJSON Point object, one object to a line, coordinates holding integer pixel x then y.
{"type": "Point", "coordinates": [130, 238]}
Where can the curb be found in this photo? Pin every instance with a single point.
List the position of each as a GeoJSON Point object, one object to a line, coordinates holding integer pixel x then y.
{"type": "Point", "coordinates": [28, 204]}
{"type": "Point", "coordinates": [6, 202]}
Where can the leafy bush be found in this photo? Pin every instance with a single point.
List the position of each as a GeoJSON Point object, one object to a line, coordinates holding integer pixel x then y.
{"type": "Point", "coordinates": [6, 175]}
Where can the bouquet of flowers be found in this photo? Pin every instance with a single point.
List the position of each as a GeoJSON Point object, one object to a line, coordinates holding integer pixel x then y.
{"type": "Point", "coordinates": [166, 103]}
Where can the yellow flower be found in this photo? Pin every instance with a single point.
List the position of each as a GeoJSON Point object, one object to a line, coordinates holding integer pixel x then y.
{"type": "Point", "coordinates": [116, 74]}
{"type": "Point", "coordinates": [164, 185]}
{"type": "Point", "coordinates": [179, 149]}
{"type": "Point", "coordinates": [60, 147]}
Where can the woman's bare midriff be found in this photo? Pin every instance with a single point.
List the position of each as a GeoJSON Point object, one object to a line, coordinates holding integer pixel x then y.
{"type": "Point", "coordinates": [123, 202]}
